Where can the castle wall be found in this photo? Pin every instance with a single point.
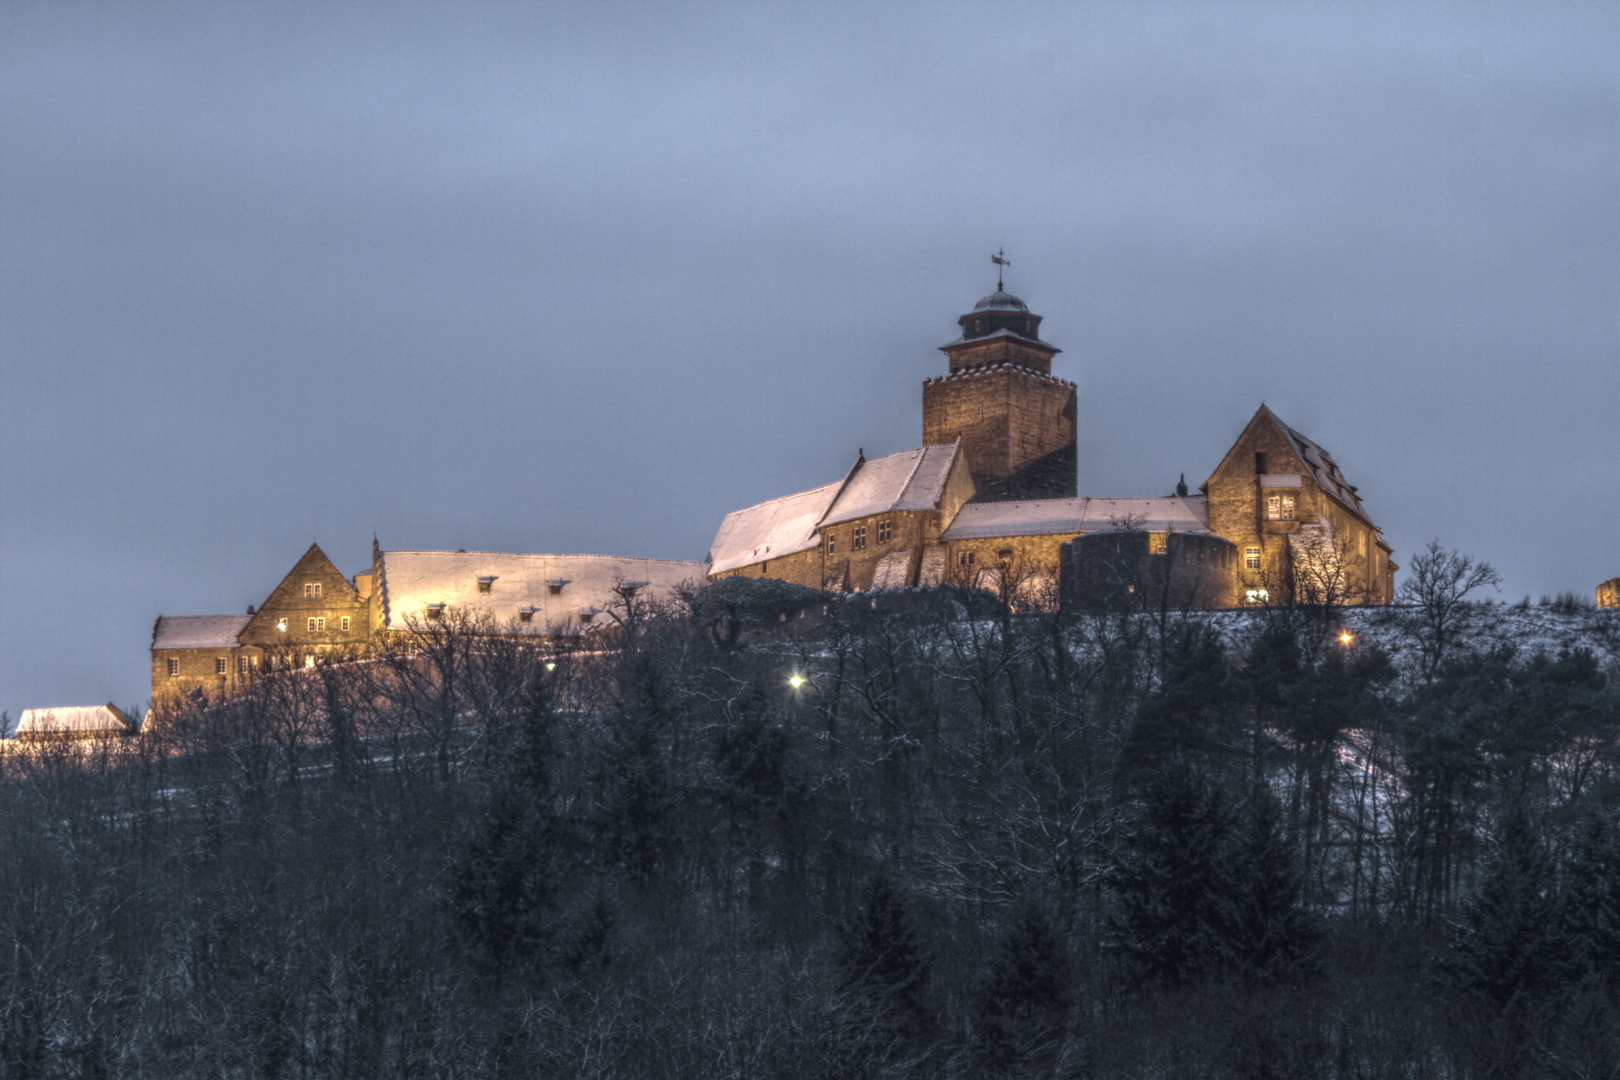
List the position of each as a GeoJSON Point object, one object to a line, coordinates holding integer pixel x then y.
{"type": "Point", "coordinates": [1119, 571]}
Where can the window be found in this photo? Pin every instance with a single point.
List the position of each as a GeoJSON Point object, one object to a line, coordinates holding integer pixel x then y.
{"type": "Point", "coordinates": [965, 559]}
{"type": "Point", "coordinates": [312, 589]}
{"type": "Point", "coordinates": [885, 531]}
{"type": "Point", "coordinates": [1005, 554]}
{"type": "Point", "coordinates": [343, 624]}
{"type": "Point", "coordinates": [1251, 558]}
{"type": "Point", "coordinates": [174, 667]}
{"type": "Point", "coordinates": [1260, 462]}
{"type": "Point", "coordinates": [1257, 596]}
{"type": "Point", "coordinates": [1158, 543]}
{"type": "Point", "coordinates": [832, 544]}
{"type": "Point", "coordinates": [526, 615]}
{"type": "Point", "coordinates": [858, 543]}
{"type": "Point", "coordinates": [1280, 507]}
{"type": "Point", "coordinates": [281, 624]}
{"type": "Point", "coordinates": [435, 611]}
{"type": "Point", "coordinates": [241, 665]}
{"type": "Point", "coordinates": [219, 665]}
{"type": "Point", "coordinates": [556, 586]}
{"type": "Point", "coordinates": [309, 661]}
{"type": "Point", "coordinates": [317, 623]}
{"type": "Point", "coordinates": [484, 584]}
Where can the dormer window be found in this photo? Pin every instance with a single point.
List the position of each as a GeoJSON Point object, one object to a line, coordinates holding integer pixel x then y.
{"type": "Point", "coordinates": [526, 614]}
{"type": "Point", "coordinates": [556, 585]}
{"type": "Point", "coordinates": [484, 583]}
{"type": "Point", "coordinates": [586, 614]}
{"type": "Point", "coordinates": [630, 588]}
{"type": "Point", "coordinates": [435, 611]}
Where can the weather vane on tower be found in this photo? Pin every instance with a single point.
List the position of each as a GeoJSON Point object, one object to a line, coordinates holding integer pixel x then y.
{"type": "Point", "coordinates": [1001, 261]}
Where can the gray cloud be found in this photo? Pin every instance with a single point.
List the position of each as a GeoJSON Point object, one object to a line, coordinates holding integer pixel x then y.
{"type": "Point", "coordinates": [583, 278]}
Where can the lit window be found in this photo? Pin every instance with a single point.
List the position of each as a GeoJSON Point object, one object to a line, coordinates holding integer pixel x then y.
{"type": "Point", "coordinates": [1280, 507]}
{"type": "Point", "coordinates": [858, 542]}
{"type": "Point", "coordinates": [1251, 558]}
{"type": "Point", "coordinates": [317, 623]}
{"type": "Point", "coordinates": [885, 531]}
{"type": "Point", "coordinates": [1257, 596]}
{"type": "Point", "coordinates": [241, 665]}
{"type": "Point", "coordinates": [312, 589]}
{"type": "Point", "coordinates": [281, 624]}
{"type": "Point", "coordinates": [219, 665]}
{"type": "Point", "coordinates": [965, 559]}
{"type": "Point", "coordinates": [174, 667]}
{"type": "Point", "coordinates": [1158, 543]}
{"type": "Point", "coordinates": [832, 544]}
{"type": "Point", "coordinates": [484, 584]}
{"type": "Point", "coordinates": [343, 624]}
{"type": "Point", "coordinates": [309, 661]}
{"type": "Point", "coordinates": [1005, 554]}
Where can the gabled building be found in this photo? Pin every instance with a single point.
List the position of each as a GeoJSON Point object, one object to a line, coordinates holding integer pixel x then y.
{"type": "Point", "coordinates": [75, 722]}
{"type": "Point", "coordinates": [991, 498]}
{"type": "Point", "coordinates": [316, 612]}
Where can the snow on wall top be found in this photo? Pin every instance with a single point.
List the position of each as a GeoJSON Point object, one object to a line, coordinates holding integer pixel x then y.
{"type": "Point", "coordinates": [78, 718]}
{"type": "Point", "coordinates": [198, 631]}
{"type": "Point", "coordinates": [556, 589]}
{"type": "Point", "coordinates": [1046, 517]}
{"type": "Point", "coordinates": [909, 480]}
{"type": "Point", "coordinates": [771, 529]}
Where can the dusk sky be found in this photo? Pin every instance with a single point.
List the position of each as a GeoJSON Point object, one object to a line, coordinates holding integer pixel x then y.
{"type": "Point", "coordinates": [582, 278]}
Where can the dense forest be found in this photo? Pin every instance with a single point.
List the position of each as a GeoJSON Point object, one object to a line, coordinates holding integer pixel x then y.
{"type": "Point", "coordinates": [777, 833]}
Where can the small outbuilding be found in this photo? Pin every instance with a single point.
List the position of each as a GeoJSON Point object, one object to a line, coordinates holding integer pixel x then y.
{"type": "Point", "coordinates": [1608, 593]}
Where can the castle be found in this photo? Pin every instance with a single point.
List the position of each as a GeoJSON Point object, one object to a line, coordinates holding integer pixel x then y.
{"type": "Point", "coordinates": [989, 500]}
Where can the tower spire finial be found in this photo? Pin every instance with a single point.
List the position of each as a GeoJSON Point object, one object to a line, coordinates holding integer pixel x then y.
{"type": "Point", "coordinates": [1001, 261]}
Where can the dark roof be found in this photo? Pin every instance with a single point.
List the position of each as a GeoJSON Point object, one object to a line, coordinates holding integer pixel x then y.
{"type": "Point", "coordinates": [1000, 300]}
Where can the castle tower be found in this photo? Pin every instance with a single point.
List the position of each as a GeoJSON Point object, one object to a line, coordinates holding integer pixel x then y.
{"type": "Point", "coordinates": [1016, 421]}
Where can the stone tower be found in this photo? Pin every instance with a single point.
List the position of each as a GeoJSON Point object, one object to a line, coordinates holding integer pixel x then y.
{"type": "Point", "coordinates": [1016, 421]}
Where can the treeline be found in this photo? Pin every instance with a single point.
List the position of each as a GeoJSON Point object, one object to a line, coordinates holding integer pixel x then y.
{"type": "Point", "coordinates": [781, 834]}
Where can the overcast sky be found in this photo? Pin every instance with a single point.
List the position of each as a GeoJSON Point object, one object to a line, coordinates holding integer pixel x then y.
{"type": "Point", "coordinates": [582, 278]}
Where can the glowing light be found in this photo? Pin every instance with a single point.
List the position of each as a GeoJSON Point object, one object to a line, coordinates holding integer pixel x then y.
{"type": "Point", "coordinates": [551, 666]}
{"type": "Point", "coordinates": [1346, 638]}
{"type": "Point", "coordinates": [796, 681]}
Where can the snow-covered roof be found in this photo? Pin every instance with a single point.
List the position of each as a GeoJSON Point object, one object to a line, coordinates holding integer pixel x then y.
{"type": "Point", "coordinates": [1030, 517]}
{"type": "Point", "coordinates": [1003, 332]}
{"type": "Point", "coordinates": [1325, 471]}
{"type": "Point", "coordinates": [909, 480]}
{"type": "Point", "coordinates": [771, 529]}
{"type": "Point", "coordinates": [413, 581]}
{"type": "Point", "coordinates": [1046, 517]}
{"type": "Point", "coordinates": [1164, 513]}
{"type": "Point", "coordinates": [198, 631]}
{"type": "Point", "coordinates": [75, 719]}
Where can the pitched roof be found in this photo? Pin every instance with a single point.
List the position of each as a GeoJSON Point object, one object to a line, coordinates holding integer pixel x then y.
{"type": "Point", "coordinates": [771, 529]}
{"type": "Point", "coordinates": [78, 719]}
{"type": "Point", "coordinates": [1325, 471]}
{"type": "Point", "coordinates": [909, 480]}
{"type": "Point", "coordinates": [1047, 517]}
{"type": "Point", "coordinates": [198, 631]}
{"type": "Point", "coordinates": [411, 581]}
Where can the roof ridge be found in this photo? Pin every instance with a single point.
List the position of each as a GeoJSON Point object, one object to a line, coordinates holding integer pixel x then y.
{"type": "Point", "coordinates": [533, 554]}
{"type": "Point", "coordinates": [899, 498]}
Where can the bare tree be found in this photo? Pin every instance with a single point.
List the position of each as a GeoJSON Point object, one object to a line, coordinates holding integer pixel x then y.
{"type": "Point", "coordinates": [1437, 587]}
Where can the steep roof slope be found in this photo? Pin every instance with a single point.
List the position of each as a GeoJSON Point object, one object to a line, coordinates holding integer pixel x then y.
{"type": "Point", "coordinates": [770, 529]}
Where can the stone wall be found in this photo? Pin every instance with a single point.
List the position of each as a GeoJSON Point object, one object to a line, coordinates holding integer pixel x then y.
{"type": "Point", "coordinates": [1117, 570]}
{"type": "Point", "coordinates": [1018, 429]}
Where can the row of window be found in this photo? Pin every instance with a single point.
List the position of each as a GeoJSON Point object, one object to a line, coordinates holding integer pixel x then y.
{"type": "Point", "coordinates": [857, 539]}
{"type": "Point", "coordinates": [244, 665]}
{"type": "Point", "coordinates": [316, 624]}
